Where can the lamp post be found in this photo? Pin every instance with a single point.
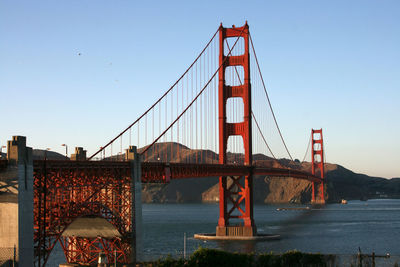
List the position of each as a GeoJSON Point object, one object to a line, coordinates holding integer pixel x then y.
{"type": "Point", "coordinates": [66, 150]}
{"type": "Point", "coordinates": [45, 153]}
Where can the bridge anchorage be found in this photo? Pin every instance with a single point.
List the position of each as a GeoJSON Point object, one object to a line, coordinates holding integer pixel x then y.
{"type": "Point", "coordinates": [68, 201]}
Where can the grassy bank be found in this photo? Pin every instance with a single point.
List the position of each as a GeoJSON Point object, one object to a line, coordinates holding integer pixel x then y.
{"type": "Point", "coordinates": [213, 257]}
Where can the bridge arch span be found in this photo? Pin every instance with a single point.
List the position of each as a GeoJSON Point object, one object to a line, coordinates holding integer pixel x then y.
{"type": "Point", "coordinates": [69, 194]}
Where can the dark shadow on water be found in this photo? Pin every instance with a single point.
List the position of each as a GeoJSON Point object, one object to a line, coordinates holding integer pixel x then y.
{"type": "Point", "coordinates": [288, 227]}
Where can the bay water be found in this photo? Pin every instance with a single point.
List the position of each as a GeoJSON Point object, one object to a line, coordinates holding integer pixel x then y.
{"type": "Point", "coordinates": [372, 226]}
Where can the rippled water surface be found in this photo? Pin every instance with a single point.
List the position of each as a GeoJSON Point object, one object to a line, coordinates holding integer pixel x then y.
{"type": "Point", "coordinates": [372, 225]}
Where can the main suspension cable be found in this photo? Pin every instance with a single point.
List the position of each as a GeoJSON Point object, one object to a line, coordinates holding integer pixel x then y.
{"type": "Point", "coordinates": [262, 136]}
{"type": "Point", "coordinates": [158, 101]}
{"type": "Point", "coordinates": [197, 96]}
{"type": "Point", "coordinates": [252, 113]}
{"type": "Point", "coordinates": [269, 102]}
{"type": "Point", "coordinates": [308, 147]}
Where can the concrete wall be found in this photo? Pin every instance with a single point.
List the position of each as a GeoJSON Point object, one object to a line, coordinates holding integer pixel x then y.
{"type": "Point", "coordinates": [16, 201]}
{"type": "Point", "coordinates": [8, 225]}
{"type": "Point", "coordinates": [136, 187]}
{"type": "Point", "coordinates": [8, 212]}
{"type": "Point", "coordinates": [25, 213]}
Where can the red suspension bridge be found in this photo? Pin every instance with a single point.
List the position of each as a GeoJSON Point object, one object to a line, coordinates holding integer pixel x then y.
{"type": "Point", "coordinates": [216, 120]}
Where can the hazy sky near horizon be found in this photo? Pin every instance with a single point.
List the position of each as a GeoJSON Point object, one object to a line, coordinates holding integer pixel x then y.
{"type": "Point", "coordinates": [328, 64]}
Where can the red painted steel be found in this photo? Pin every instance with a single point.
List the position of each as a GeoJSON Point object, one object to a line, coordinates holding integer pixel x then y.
{"type": "Point", "coordinates": [86, 250]}
{"type": "Point", "coordinates": [65, 190]}
{"type": "Point", "coordinates": [317, 161]}
{"type": "Point", "coordinates": [242, 129]}
{"type": "Point", "coordinates": [156, 172]}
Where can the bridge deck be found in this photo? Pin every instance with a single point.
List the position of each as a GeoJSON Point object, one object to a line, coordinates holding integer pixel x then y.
{"type": "Point", "coordinates": [157, 172]}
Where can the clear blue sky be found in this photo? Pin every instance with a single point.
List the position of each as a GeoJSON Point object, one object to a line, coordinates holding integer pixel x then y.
{"type": "Point", "coordinates": [329, 64]}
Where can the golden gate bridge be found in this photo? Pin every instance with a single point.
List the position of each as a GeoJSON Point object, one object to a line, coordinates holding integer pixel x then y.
{"type": "Point", "coordinates": [212, 122]}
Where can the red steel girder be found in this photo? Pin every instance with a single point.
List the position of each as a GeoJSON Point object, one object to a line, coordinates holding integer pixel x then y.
{"type": "Point", "coordinates": [156, 172]}
{"type": "Point", "coordinates": [66, 190]}
{"type": "Point", "coordinates": [86, 250]}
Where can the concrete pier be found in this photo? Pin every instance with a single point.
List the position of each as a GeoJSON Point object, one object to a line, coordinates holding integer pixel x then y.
{"type": "Point", "coordinates": [79, 154]}
{"type": "Point", "coordinates": [16, 202]}
{"type": "Point", "coordinates": [258, 237]}
{"type": "Point", "coordinates": [136, 185]}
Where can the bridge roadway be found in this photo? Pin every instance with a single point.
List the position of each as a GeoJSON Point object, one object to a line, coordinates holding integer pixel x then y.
{"type": "Point", "coordinates": [159, 172]}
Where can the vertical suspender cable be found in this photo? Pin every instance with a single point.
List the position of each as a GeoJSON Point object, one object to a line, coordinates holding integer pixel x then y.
{"type": "Point", "coordinates": [308, 147]}
{"type": "Point", "coordinates": [158, 101]}
{"type": "Point", "coordinates": [193, 101]}
{"type": "Point", "coordinates": [269, 102]}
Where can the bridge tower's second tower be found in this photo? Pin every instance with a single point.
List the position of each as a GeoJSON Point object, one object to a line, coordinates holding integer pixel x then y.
{"type": "Point", "coordinates": [317, 165]}
{"type": "Point", "coordinates": [240, 191]}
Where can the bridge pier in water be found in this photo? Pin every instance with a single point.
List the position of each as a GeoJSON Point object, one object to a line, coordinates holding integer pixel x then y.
{"type": "Point", "coordinates": [241, 189]}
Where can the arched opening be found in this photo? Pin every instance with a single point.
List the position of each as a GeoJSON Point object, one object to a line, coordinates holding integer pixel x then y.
{"type": "Point", "coordinates": [86, 237]}
{"type": "Point", "coordinates": [91, 227]}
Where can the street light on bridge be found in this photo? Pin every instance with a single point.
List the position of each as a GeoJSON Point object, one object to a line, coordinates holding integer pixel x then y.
{"type": "Point", "coordinates": [45, 153]}
{"type": "Point", "coordinates": [66, 150]}
{"type": "Point", "coordinates": [101, 153]}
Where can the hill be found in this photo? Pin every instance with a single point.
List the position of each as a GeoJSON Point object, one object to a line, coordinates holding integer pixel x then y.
{"type": "Point", "coordinates": [40, 154]}
{"type": "Point", "coordinates": [51, 155]}
{"type": "Point", "coordinates": [341, 182]}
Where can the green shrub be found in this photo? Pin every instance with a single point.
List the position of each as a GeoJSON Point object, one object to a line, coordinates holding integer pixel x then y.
{"type": "Point", "coordinates": [291, 259]}
{"type": "Point", "coordinates": [170, 262]}
{"type": "Point", "coordinates": [269, 260]}
{"type": "Point", "coordinates": [213, 257]}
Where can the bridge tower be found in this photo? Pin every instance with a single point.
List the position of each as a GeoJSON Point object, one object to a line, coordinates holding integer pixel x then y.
{"type": "Point", "coordinates": [317, 164]}
{"type": "Point", "coordinates": [239, 191]}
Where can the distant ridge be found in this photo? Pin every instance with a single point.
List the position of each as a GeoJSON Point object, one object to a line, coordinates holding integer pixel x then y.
{"type": "Point", "coordinates": [51, 155]}
{"type": "Point", "coordinates": [39, 154]}
{"type": "Point", "coordinates": [341, 183]}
